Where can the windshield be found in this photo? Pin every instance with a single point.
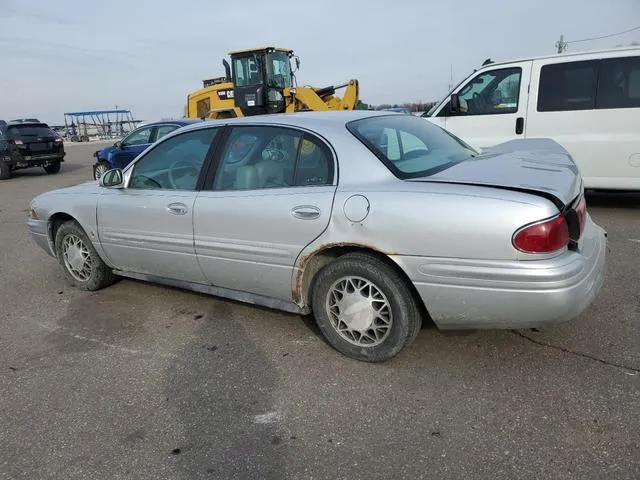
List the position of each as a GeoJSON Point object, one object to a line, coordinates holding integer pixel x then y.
{"type": "Point", "coordinates": [410, 146]}
{"type": "Point", "coordinates": [278, 70]}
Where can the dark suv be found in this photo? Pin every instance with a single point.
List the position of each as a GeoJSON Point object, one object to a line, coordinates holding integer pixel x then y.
{"type": "Point", "coordinates": [29, 143]}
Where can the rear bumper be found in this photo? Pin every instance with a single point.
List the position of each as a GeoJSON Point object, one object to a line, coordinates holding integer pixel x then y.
{"type": "Point", "coordinates": [26, 161]}
{"type": "Point", "coordinates": [40, 234]}
{"type": "Point", "coordinates": [462, 294]}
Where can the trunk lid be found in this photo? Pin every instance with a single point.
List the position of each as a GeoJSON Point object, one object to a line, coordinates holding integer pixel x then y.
{"type": "Point", "coordinates": [539, 166]}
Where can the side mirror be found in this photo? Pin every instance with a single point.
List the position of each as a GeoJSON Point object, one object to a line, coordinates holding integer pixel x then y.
{"type": "Point", "coordinates": [112, 179]}
{"type": "Point", "coordinates": [118, 144]}
{"type": "Point", "coordinates": [454, 104]}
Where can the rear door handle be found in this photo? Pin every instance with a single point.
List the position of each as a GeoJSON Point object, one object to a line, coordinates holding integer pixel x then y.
{"type": "Point", "coordinates": [177, 208]}
{"type": "Point", "coordinates": [519, 125]}
{"type": "Point", "coordinates": [305, 212]}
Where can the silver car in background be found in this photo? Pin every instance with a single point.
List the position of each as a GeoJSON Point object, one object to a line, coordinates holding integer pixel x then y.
{"type": "Point", "coordinates": [370, 221]}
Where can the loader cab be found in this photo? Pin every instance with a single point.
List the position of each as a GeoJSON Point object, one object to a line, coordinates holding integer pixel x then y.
{"type": "Point", "coordinates": [259, 79]}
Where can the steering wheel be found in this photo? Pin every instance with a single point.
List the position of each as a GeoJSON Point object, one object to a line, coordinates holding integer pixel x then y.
{"type": "Point", "coordinates": [172, 176]}
{"type": "Point", "coordinates": [479, 102]}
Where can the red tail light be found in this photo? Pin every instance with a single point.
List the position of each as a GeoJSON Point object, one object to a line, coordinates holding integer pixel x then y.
{"type": "Point", "coordinates": [543, 237]}
{"type": "Point", "coordinates": [581, 213]}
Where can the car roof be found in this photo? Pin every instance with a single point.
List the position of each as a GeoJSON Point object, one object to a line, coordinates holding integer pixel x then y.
{"type": "Point", "coordinates": [586, 54]}
{"type": "Point", "coordinates": [179, 121]}
{"type": "Point", "coordinates": [318, 121]}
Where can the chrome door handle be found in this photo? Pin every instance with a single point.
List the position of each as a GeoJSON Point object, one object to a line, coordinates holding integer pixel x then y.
{"type": "Point", "coordinates": [177, 208]}
{"type": "Point", "coordinates": [305, 212]}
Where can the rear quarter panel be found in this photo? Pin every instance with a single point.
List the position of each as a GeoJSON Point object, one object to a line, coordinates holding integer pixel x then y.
{"type": "Point", "coordinates": [437, 220]}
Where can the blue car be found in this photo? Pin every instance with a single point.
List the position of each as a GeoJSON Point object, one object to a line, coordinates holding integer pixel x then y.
{"type": "Point", "coordinates": [122, 153]}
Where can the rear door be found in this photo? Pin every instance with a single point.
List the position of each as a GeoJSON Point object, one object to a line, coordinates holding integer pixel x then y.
{"type": "Point", "coordinates": [147, 227]}
{"type": "Point", "coordinates": [271, 196]}
{"type": "Point", "coordinates": [592, 108]}
{"type": "Point", "coordinates": [493, 106]}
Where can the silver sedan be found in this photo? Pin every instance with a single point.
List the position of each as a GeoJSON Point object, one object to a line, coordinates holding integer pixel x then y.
{"type": "Point", "coordinates": [369, 221]}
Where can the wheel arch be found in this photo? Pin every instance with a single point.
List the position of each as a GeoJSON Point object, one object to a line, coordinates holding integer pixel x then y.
{"type": "Point", "coordinates": [310, 265]}
{"type": "Point", "coordinates": [55, 222]}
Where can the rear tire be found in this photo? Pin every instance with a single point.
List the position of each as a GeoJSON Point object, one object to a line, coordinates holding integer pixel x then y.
{"type": "Point", "coordinates": [80, 261]}
{"type": "Point", "coordinates": [365, 308]}
{"type": "Point", "coordinates": [53, 168]}
{"type": "Point", "coordinates": [5, 170]}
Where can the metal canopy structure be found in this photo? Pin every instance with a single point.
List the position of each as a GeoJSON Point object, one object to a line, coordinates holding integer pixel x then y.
{"type": "Point", "coordinates": [101, 124]}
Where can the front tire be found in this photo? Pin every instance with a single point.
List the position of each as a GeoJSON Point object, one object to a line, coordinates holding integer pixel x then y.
{"type": "Point", "coordinates": [365, 308]}
{"type": "Point", "coordinates": [100, 169]}
{"type": "Point", "coordinates": [53, 168]}
{"type": "Point", "coordinates": [5, 170]}
{"type": "Point", "coordinates": [82, 265]}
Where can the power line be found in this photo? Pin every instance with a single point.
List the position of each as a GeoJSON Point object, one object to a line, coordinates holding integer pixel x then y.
{"type": "Point", "coordinates": [561, 44]}
{"type": "Point", "coordinates": [605, 36]}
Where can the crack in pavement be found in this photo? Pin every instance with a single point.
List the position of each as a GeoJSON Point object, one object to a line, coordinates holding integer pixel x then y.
{"type": "Point", "coordinates": [578, 354]}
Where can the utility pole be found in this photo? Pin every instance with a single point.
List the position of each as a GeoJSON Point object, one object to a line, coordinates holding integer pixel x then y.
{"type": "Point", "coordinates": [561, 44]}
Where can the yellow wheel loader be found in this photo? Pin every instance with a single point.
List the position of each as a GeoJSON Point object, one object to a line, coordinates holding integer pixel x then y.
{"type": "Point", "coordinates": [262, 81]}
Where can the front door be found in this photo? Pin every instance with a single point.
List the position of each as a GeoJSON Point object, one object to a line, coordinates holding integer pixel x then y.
{"type": "Point", "coordinates": [147, 227]}
{"type": "Point", "coordinates": [493, 106]}
{"type": "Point", "coordinates": [271, 196]}
{"type": "Point", "coordinates": [130, 147]}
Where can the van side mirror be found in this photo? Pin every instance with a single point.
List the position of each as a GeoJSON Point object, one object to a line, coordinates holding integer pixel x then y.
{"type": "Point", "coordinates": [454, 104]}
{"type": "Point", "coordinates": [112, 179]}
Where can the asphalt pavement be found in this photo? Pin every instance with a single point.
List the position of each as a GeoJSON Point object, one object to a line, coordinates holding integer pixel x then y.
{"type": "Point", "coordinates": [139, 381]}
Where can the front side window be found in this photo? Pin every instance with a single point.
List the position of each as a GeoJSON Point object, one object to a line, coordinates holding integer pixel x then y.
{"type": "Point", "coordinates": [409, 146]}
{"type": "Point", "coordinates": [247, 71]}
{"type": "Point", "coordinates": [174, 164]}
{"type": "Point", "coordinates": [568, 86]}
{"type": "Point", "coordinates": [279, 70]}
{"type": "Point", "coordinates": [491, 92]}
{"type": "Point", "coordinates": [260, 157]}
{"type": "Point", "coordinates": [619, 83]}
{"type": "Point", "coordinates": [138, 137]}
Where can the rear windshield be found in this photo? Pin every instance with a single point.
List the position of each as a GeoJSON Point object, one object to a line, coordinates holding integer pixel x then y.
{"type": "Point", "coordinates": [410, 146]}
{"type": "Point", "coordinates": [15, 131]}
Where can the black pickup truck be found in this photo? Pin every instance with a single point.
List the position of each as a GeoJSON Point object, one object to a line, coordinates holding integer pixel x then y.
{"type": "Point", "coordinates": [27, 144]}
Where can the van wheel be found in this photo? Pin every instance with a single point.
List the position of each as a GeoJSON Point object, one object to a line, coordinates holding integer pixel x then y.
{"type": "Point", "coordinates": [5, 170]}
{"type": "Point", "coordinates": [82, 265]}
{"type": "Point", "coordinates": [53, 168]}
{"type": "Point", "coordinates": [364, 308]}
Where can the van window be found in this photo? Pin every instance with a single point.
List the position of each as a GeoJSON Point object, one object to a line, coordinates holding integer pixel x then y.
{"type": "Point", "coordinates": [568, 86]}
{"type": "Point", "coordinates": [619, 83]}
{"type": "Point", "coordinates": [491, 92]}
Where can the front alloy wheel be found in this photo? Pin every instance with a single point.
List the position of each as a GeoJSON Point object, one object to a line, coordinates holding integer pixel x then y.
{"type": "Point", "coordinates": [100, 170]}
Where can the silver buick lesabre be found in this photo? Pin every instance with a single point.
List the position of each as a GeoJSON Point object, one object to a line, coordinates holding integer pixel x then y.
{"type": "Point", "coordinates": [369, 221]}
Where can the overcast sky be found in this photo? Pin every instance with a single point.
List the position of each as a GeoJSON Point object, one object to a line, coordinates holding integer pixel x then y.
{"type": "Point", "coordinates": [69, 55]}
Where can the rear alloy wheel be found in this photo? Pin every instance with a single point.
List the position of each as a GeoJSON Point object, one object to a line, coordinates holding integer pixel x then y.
{"type": "Point", "coordinates": [364, 308]}
{"type": "Point", "coordinates": [5, 170]}
{"type": "Point", "coordinates": [100, 170]}
{"type": "Point", "coordinates": [52, 168]}
{"type": "Point", "coordinates": [82, 265]}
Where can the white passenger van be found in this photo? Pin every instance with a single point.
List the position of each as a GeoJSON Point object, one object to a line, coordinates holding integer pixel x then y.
{"type": "Point", "coordinates": [587, 102]}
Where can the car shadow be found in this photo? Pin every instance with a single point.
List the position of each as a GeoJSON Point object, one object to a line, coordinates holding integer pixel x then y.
{"type": "Point", "coordinates": [39, 171]}
{"type": "Point", "coordinates": [222, 390]}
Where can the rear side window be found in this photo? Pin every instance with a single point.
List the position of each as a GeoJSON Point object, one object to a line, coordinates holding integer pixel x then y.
{"type": "Point", "coordinates": [410, 146]}
{"type": "Point", "coordinates": [619, 83]}
{"type": "Point", "coordinates": [568, 86]}
{"type": "Point", "coordinates": [17, 131]}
